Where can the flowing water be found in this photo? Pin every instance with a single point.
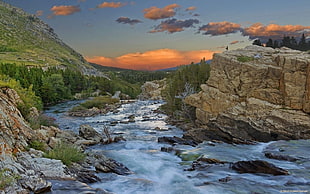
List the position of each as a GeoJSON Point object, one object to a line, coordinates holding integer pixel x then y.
{"type": "Point", "coordinates": [157, 172]}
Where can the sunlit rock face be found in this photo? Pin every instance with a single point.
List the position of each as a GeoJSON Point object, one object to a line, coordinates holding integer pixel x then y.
{"type": "Point", "coordinates": [151, 90]}
{"type": "Point", "coordinates": [266, 89]}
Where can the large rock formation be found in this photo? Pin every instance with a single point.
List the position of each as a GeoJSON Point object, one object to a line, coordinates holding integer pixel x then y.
{"type": "Point", "coordinates": [151, 90]}
{"type": "Point", "coordinates": [256, 93]}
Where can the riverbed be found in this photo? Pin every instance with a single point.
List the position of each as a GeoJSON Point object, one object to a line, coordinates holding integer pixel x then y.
{"type": "Point", "coordinates": [157, 172]}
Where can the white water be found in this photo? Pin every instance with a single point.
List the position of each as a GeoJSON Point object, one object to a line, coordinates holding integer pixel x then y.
{"type": "Point", "coordinates": [159, 172]}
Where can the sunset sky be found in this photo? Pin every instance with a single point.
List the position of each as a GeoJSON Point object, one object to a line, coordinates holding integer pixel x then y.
{"type": "Point", "coordinates": [156, 34]}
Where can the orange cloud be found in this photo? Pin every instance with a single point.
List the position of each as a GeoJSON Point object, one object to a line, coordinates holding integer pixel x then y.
{"type": "Point", "coordinates": [111, 5]}
{"type": "Point", "coordinates": [258, 30]}
{"type": "Point", "coordinates": [39, 13]}
{"type": "Point", "coordinates": [220, 28]}
{"type": "Point", "coordinates": [153, 60]}
{"type": "Point", "coordinates": [65, 10]}
{"type": "Point", "coordinates": [191, 8]}
{"type": "Point", "coordinates": [155, 13]}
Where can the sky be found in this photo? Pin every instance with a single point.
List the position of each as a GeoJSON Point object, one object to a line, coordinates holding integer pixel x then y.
{"type": "Point", "coordinates": [157, 34]}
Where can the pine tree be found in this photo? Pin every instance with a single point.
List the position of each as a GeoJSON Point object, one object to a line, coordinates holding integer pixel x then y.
{"type": "Point", "coordinates": [269, 43]}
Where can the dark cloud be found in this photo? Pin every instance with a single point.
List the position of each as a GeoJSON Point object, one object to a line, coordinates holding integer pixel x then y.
{"type": "Point", "coordinates": [126, 20]}
{"type": "Point", "coordinates": [220, 28]}
{"type": "Point", "coordinates": [174, 25]}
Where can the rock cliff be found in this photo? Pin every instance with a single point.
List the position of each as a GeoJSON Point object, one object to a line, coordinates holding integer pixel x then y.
{"type": "Point", "coordinates": [256, 93]}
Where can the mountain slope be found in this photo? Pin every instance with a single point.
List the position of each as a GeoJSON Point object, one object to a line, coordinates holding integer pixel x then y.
{"type": "Point", "coordinates": [25, 39]}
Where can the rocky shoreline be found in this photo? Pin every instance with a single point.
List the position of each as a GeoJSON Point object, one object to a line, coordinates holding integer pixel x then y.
{"type": "Point", "coordinates": [26, 170]}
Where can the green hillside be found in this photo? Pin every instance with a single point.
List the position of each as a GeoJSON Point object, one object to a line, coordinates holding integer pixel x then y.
{"type": "Point", "coordinates": [25, 39]}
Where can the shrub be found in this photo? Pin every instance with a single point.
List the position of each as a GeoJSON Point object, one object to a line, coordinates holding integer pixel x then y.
{"type": "Point", "coordinates": [65, 152]}
{"type": "Point", "coordinates": [244, 59]}
{"type": "Point", "coordinates": [7, 178]}
{"type": "Point", "coordinates": [38, 145]}
{"type": "Point", "coordinates": [36, 122]}
{"type": "Point", "coordinates": [27, 95]}
{"type": "Point", "coordinates": [77, 108]}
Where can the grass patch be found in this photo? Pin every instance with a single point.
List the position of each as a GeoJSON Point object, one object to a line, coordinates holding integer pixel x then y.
{"type": "Point", "coordinates": [67, 153]}
{"type": "Point", "coordinates": [37, 145]}
{"type": "Point", "coordinates": [244, 59]}
{"type": "Point", "coordinates": [7, 178]}
{"type": "Point", "coordinates": [77, 108]}
{"type": "Point", "coordinates": [99, 102]}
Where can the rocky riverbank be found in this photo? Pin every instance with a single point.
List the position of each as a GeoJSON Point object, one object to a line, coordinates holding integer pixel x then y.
{"type": "Point", "coordinates": [25, 170]}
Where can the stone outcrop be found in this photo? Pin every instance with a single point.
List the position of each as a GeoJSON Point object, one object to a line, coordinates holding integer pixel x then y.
{"type": "Point", "coordinates": [14, 131]}
{"type": "Point", "coordinates": [256, 93]}
{"type": "Point", "coordinates": [152, 90]}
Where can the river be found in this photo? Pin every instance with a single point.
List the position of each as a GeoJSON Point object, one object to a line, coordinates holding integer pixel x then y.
{"type": "Point", "coordinates": [158, 172]}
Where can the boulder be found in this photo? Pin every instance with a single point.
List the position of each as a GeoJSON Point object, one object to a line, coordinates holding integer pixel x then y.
{"type": "Point", "coordinates": [258, 166]}
{"type": "Point", "coordinates": [106, 165]}
{"type": "Point", "coordinates": [36, 185]}
{"type": "Point", "coordinates": [262, 99]}
{"type": "Point", "coordinates": [89, 133]}
{"type": "Point", "coordinates": [151, 90]}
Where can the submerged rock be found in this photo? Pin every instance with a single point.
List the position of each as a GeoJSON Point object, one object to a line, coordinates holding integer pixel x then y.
{"type": "Point", "coordinates": [89, 133]}
{"type": "Point", "coordinates": [258, 166]}
{"type": "Point", "coordinates": [177, 140]}
{"type": "Point", "coordinates": [280, 157]}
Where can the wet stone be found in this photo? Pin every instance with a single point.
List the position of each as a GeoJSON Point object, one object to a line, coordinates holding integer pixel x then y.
{"type": "Point", "coordinates": [258, 166]}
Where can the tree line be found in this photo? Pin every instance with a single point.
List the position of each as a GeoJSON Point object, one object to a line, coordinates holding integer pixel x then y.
{"type": "Point", "coordinates": [287, 41]}
{"type": "Point", "coordinates": [54, 85]}
{"type": "Point", "coordinates": [181, 83]}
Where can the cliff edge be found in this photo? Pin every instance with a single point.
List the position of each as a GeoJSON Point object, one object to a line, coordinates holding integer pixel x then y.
{"type": "Point", "coordinates": [255, 94]}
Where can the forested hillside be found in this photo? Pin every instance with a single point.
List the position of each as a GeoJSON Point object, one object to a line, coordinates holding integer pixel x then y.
{"type": "Point", "coordinates": [182, 83]}
{"type": "Point", "coordinates": [25, 39]}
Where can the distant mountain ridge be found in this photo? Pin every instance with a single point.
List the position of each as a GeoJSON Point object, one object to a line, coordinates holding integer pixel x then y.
{"type": "Point", "coordinates": [25, 39]}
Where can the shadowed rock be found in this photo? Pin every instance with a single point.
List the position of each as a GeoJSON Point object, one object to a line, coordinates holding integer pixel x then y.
{"type": "Point", "coordinates": [258, 166]}
{"type": "Point", "coordinates": [280, 157]}
{"type": "Point", "coordinates": [177, 140]}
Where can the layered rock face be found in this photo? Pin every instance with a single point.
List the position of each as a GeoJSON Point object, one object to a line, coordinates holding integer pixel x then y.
{"type": "Point", "coordinates": [257, 93]}
{"type": "Point", "coordinates": [14, 131]}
